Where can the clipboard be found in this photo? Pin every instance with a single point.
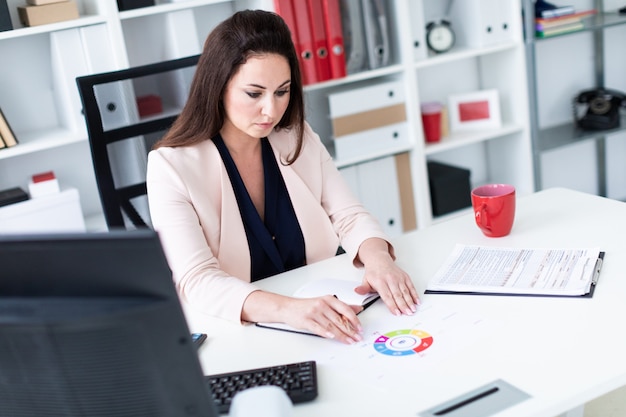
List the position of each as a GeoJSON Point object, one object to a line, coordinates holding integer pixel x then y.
{"type": "Point", "coordinates": [594, 281]}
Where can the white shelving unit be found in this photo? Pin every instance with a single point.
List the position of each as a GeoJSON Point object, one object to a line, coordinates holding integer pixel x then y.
{"type": "Point", "coordinates": [559, 68]}
{"type": "Point", "coordinates": [28, 95]}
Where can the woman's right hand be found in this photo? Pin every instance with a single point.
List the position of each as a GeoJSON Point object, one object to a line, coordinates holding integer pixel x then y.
{"type": "Point", "coordinates": [325, 316]}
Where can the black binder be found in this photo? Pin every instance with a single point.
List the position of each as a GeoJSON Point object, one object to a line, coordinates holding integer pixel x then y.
{"type": "Point", "coordinates": [5, 17]}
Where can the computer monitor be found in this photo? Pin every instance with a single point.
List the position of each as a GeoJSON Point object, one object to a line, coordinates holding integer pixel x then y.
{"type": "Point", "coordinates": [91, 325]}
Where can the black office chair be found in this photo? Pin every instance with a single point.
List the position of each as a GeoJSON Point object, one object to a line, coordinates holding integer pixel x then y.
{"type": "Point", "coordinates": [126, 112]}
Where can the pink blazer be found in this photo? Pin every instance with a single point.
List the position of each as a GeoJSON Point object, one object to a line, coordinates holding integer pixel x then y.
{"type": "Point", "coordinates": [193, 208]}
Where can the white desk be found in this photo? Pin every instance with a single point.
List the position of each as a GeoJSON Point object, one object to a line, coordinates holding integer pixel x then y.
{"type": "Point", "coordinates": [562, 351]}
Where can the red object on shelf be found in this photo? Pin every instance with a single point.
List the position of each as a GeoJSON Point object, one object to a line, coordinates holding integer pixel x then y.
{"type": "Point", "coordinates": [148, 105]}
{"type": "Point", "coordinates": [44, 176]}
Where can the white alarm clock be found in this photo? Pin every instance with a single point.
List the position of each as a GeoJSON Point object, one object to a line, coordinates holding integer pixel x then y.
{"type": "Point", "coordinates": [439, 36]}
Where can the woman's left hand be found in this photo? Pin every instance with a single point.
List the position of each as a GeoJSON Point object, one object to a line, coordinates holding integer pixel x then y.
{"type": "Point", "coordinates": [383, 276]}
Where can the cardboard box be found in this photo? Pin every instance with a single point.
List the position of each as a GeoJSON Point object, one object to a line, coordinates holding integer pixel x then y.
{"type": "Point", "coordinates": [48, 13]}
{"type": "Point", "coordinates": [40, 2]}
{"type": "Point", "coordinates": [450, 188]}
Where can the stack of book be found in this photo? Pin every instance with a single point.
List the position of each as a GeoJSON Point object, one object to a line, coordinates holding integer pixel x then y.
{"type": "Point", "coordinates": [7, 137]}
{"type": "Point", "coordinates": [559, 20]}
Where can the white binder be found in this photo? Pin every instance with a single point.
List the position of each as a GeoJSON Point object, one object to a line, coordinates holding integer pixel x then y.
{"type": "Point", "coordinates": [182, 35]}
{"type": "Point", "coordinates": [475, 22]}
{"type": "Point", "coordinates": [420, 48]}
{"type": "Point", "coordinates": [97, 48]}
{"type": "Point", "coordinates": [182, 41]}
{"type": "Point", "coordinates": [68, 62]}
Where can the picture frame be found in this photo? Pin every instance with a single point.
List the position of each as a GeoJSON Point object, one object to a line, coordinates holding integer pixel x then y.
{"type": "Point", "coordinates": [478, 110]}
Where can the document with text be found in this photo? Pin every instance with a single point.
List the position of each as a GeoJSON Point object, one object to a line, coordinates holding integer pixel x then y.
{"type": "Point", "coordinates": [518, 271]}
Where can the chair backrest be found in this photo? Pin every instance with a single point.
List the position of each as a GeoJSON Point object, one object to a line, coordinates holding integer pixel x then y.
{"type": "Point", "coordinates": [126, 112]}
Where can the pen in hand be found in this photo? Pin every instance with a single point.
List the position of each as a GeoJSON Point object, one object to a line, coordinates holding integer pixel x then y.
{"type": "Point", "coordinates": [346, 323]}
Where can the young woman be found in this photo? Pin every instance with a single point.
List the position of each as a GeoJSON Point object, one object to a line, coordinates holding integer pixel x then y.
{"type": "Point", "coordinates": [241, 188]}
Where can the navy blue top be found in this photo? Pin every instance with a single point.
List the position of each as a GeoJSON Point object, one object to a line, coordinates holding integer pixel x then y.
{"type": "Point", "coordinates": [276, 245]}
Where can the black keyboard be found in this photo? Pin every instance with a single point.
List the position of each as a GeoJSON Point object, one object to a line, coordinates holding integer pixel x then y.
{"type": "Point", "coordinates": [299, 380]}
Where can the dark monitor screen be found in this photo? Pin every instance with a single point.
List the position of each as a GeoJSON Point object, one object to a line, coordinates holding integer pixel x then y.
{"type": "Point", "coordinates": [91, 326]}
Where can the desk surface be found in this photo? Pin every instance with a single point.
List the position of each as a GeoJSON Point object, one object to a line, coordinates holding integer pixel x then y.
{"type": "Point", "coordinates": [562, 351]}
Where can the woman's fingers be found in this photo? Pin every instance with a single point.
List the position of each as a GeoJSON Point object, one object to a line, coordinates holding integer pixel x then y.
{"type": "Point", "coordinates": [335, 319]}
{"type": "Point", "coordinates": [400, 296]}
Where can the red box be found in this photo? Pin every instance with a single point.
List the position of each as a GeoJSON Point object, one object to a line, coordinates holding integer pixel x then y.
{"type": "Point", "coordinates": [149, 105]}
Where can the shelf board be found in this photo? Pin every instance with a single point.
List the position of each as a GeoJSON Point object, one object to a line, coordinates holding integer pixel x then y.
{"type": "Point", "coordinates": [456, 140]}
{"type": "Point", "coordinates": [460, 53]}
{"type": "Point", "coordinates": [30, 142]}
{"type": "Point", "coordinates": [595, 22]}
{"type": "Point", "coordinates": [568, 134]}
{"type": "Point", "coordinates": [340, 163]}
{"type": "Point", "coordinates": [52, 27]}
{"type": "Point", "coordinates": [359, 76]}
{"type": "Point", "coordinates": [167, 7]}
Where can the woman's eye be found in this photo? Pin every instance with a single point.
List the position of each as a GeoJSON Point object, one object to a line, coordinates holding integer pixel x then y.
{"type": "Point", "coordinates": [254, 95]}
{"type": "Point", "coordinates": [281, 93]}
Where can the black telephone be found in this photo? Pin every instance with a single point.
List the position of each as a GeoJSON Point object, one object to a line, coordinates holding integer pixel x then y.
{"type": "Point", "coordinates": [598, 109]}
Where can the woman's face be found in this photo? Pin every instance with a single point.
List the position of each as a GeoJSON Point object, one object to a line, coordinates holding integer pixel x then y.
{"type": "Point", "coordinates": [257, 96]}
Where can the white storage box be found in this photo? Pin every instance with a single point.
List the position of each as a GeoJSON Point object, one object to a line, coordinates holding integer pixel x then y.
{"type": "Point", "coordinates": [59, 212]}
{"type": "Point", "coordinates": [369, 120]}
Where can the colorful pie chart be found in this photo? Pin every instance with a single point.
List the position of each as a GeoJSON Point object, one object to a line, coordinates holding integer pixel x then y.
{"type": "Point", "coordinates": [403, 342]}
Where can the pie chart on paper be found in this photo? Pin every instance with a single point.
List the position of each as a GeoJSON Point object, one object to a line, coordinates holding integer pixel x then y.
{"type": "Point", "coordinates": [403, 342]}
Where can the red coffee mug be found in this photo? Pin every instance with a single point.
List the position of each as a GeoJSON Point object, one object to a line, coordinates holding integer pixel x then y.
{"type": "Point", "coordinates": [494, 208]}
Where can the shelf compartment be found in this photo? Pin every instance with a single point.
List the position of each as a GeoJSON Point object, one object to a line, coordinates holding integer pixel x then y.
{"type": "Point", "coordinates": [568, 134]}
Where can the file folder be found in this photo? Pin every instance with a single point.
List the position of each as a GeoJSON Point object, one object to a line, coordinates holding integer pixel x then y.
{"type": "Point", "coordinates": [318, 35]}
{"type": "Point", "coordinates": [353, 36]}
{"type": "Point", "coordinates": [420, 47]}
{"type": "Point", "coordinates": [99, 55]}
{"type": "Point", "coordinates": [334, 38]}
{"type": "Point", "coordinates": [183, 40]}
{"type": "Point", "coordinates": [284, 9]}
{"type": "Point", "coordinates": [5, 17]}
{"type": "Point", "coordinates": [304, 45]}
{"type": "Point", "coordinates": [68, 62]}
{"type": "Point", "coordinates": [376, 33]}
